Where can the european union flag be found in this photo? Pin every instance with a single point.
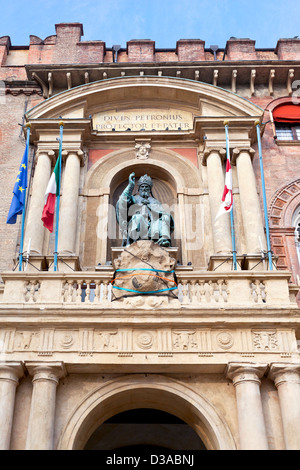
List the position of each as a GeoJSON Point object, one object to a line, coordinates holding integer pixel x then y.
{"type": "Point", "coordinates": [19, 191]}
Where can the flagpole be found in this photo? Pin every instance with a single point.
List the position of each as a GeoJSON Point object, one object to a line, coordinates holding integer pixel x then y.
{"type": "Point", "coordinates": [61, 126]}
{"type": "Point", "coordinates": [231, 212]}
{"type": "Point", "coordinates": [24, 208]}
{"type": "Point", "coordinates": [257, 123]}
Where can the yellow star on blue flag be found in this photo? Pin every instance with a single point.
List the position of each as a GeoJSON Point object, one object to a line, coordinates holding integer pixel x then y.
{"type": "Point", "coordinates": [19, 194]}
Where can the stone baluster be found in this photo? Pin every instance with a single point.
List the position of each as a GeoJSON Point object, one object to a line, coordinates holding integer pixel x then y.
{"type": "Point", "coordinates": [287, 381]}
{"type": "Point", "coordinates": [246, 380]}
{"type": "Point", "coordinates": [46, 377]}
{"type": "Point", "coordinates": [34, 227]}
{"type": "Point", "coordinates": [10, 373]}
{"type": "Point", "coordinates": [250, 205]}
{"type": "Point", "coordinates": [69, 202]}
{"type": "Point", "coordinates": [216, 181]}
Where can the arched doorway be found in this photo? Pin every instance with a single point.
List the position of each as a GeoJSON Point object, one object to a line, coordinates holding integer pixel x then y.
{"type": "Point", "coordinates": [148, 428]}
{"type": "Point", "coordinates": [146, 391]}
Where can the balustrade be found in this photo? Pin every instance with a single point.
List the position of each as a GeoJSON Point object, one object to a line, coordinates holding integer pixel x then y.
{"type": "Point", "coordinates": [202, 288]}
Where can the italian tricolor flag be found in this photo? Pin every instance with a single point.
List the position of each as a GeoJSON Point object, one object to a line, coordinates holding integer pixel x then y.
{"type": "Point", "coordinates": [51, 193]}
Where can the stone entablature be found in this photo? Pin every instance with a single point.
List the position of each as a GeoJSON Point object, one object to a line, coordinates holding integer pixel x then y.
{"type": "Point", "coordinates": [177, 345]}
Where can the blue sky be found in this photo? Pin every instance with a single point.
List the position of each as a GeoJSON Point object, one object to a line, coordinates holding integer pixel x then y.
{"type": "Point", "coordinates": [164, 21]}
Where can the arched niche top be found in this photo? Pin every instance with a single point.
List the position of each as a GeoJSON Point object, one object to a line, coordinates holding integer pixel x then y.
{"type": "Point", "coordinates": [127, 92]}
{"type": "Point", "coordinates": [175, 170]}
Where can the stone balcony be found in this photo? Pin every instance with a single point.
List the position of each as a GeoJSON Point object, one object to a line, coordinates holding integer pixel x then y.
{"type": "Point", "coordinates": [201, 290]}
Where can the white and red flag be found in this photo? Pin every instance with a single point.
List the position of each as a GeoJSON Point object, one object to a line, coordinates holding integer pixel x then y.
{"type": "Point", "coordinates": [226, 205]}
{"type": "Point", "coordinates": [51, 194]}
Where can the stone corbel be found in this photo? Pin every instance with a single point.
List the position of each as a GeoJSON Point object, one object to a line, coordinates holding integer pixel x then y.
{"type": "Point", "coordinates": [252, 81]}
{"type": "Point", "coordinates": [69, 80]}
{"type": "Point", "coordinates": [43, 85]}
{"type": "Point", "coordinates": [50, 83]}
{"type": "Point", "coordinates": [290, 78]}
{"type": "Point", "coordinates": [271, 82]}
{"type": "Point", "coordinates": [237, 151]}
{"type": "Point", "coordinates": [233, 81]}
{"type": "Point", "coordinates": [209, 150]}
{"type": "Point", "coordinates": [215, 77]}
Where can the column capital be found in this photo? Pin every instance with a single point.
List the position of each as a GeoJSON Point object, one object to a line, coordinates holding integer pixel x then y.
{"type": "Point", "coordinates": [50, 153]}
{"type": "Point", "coordinates": [238, 150]}
{"type": "Point", "coordinates": [281, 373]}
{"type": "Point", "coordinates": [78, 152]}
{"type": "Point", "coordinates": [11, 371]}
{"type": "Point", "coordinates": [208, 150]}
{"type": "Point", "coordinates": [52, 371]}
{"type": "Point", "coordinates": [240, 372]}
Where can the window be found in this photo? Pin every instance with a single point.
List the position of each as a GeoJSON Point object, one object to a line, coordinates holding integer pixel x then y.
{"type": "Point", "coordinates": [286, 132]}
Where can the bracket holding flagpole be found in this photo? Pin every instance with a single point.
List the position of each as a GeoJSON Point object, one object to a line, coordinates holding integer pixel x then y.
{"type": "Point", "coordinates": [28, 125]}
{"type": "Point", "coordinates": [257, 124]}
{"type": "Point", "coordinates": [61, 127]}
{"type": "Point", "coordinates": [226, 123]}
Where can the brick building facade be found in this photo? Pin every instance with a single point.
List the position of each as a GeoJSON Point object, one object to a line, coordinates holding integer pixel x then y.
{"type": "Point", "coordinates": [67, 347]}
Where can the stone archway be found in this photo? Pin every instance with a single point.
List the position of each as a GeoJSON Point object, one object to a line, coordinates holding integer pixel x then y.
{"type": "Point", "coordinates": [146, 391]}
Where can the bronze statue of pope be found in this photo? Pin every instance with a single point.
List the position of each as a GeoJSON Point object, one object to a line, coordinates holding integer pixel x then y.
{"type": "Point", "coordinates": [141, 216]}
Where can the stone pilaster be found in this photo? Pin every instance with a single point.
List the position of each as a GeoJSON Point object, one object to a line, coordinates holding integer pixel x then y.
{"type": "Point", "coordinates": [69, 203]}
{"type": "Point", "coordinates": [287, 381]}
{"type": "Point", "coordinates": [250, 205]}
{"type": "Point", "coordinates": [246, 380]}
{"type": "Point", "coordinates": [10, 373]}
{"type": "Point", "coordinates": [42, 412]}
{"type": "Point", "coordinates": [216, 180]}
{"type": "Point", "coordinates": [34, 227]}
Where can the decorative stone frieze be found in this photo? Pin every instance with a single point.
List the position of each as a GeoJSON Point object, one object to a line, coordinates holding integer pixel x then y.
{"type": "Point", "coordinates": [18, 343]}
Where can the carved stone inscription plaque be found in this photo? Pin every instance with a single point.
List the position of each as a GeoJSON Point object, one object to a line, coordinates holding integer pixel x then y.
{"type": "Point", "coordinates": [147, 119]}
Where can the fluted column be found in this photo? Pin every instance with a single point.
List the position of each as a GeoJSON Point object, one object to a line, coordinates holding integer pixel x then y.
{"type": "Point", "coordinates": [10, 373]}
{"type": "Point", "coordinates": [287, 381]}
{"type": "Point", "coordinates": [246, 380]}
{"type": "Point", "coordinates": [69, 203]}
{"type": "Point", "coordinates": [42, 412]}
{"type": "Point", "coordinates": [250, 205]}
{"type": "Point", "coordinates": [34, 227]}
{"type": "Point", "coordinates": [216, 180]}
